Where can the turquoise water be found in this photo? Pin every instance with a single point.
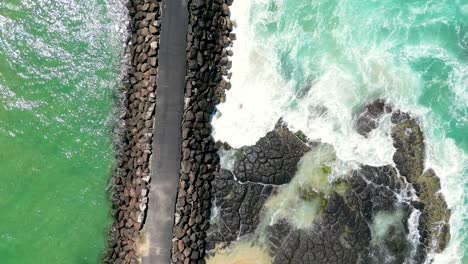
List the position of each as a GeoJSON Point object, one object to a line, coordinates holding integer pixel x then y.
{"type": "Point", "coordinates": [59, 73]}
{"type": "Point", "coordinates": [315, 63]}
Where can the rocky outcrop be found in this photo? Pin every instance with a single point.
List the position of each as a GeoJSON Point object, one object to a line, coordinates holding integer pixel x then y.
{"type": "Point", "coordinates": [340, 236]}
{"type": "Point", "coordinates": [408, 140]}
{"type": "Point", "coordinates": [362, 217]}
{"type": "Point", "coordinates": [368, 118]}
{"type": "Point", "coordinates": [409, 144]}
{"type": "Point", "coordinates": [237, 209]}
{"type": "Point", "coordinates": [375, 190]}
{"type": "Point", "coordinates": [409, 157]}
{"type": "Point", "coordinates": [258, 170]}
{"type": "Point", "coordinates": [132, 175]}
{"type": "Point", "coordinates": [434, 221]}
{"type": "Point", "coordinates": [209, 36]}
{"type": "Point", "coordinates": [341, 233]}
{"type": "Point", "coordinates": [273, 159]}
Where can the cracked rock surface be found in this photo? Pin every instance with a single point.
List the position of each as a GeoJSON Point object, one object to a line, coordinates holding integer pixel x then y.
{"type": "Point", "coordinates": [351, 208]}
{"type": "Point", "coordinates": [239, 206]}
{"type": "Point", "coordinates": [273, 159]}
{"type": "Point", "coordinates": [341, 236]}
{"type": "Point", "coordinates": [343, 232]}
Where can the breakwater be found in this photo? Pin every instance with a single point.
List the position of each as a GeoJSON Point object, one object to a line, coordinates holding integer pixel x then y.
{"type": "Point", "coordinates": [130, 184]}
{"type": "Point", "coordinates": [208, 40]}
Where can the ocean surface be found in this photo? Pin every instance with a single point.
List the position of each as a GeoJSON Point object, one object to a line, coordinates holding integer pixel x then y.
{"type": "Point", "coordinates": [59, 80]}
{"type": "Point", "coordinates": [316, 63]}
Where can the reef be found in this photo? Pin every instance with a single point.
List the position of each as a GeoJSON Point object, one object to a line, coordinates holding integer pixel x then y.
{"type": "Point", "coordinates": [434, 225]}
{"type": "Point", "coordinates": [361, 217]}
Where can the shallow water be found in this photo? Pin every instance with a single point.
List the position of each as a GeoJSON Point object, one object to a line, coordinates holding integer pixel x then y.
{"type": "Point", "coordinates": [59, 75]}
{"type": "Point", "coordinates": [315, 63]}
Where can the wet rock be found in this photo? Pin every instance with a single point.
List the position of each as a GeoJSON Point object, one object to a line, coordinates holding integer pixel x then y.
{"type": "Point", "coordinates": [368, 118]}
{"type": "Point", "coordinates": [225, 9]}
{"type": "Point", "coordinates": [273, 159]}
{"type": "Point", "coordinates": [374, 189]}
{"type": "Point", "coordinates": [238, 207]}
{"type": "Point", "coordinates": [434, 221]}
{"type": "Point", "coordinates": [339, 237]}
{"type": "Point", "coordinates": [410, 150]}
{"type": "Point", "coordinates": [143, 32]}
{"type": "Point", "coordinates": [399, 117]}
{"type": "Point", "coordinates": [198, 3]}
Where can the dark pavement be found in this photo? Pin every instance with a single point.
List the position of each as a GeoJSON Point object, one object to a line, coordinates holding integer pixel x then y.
{"type": "Point", "coordinates": [167, 135]}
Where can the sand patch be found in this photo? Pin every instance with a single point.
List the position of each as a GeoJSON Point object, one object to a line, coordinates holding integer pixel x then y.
{"type": "Point", "coordinates": [142, 245]}
{"type": "Point", "coordinates": [241, 253]}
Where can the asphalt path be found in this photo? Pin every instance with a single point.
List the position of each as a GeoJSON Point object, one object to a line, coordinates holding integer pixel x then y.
{"type": "Point", "coordinates": [167, 137]}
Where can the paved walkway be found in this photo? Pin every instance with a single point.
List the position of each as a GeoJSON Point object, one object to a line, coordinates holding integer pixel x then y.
{"type": "Point", "coordinates": [167, 135]}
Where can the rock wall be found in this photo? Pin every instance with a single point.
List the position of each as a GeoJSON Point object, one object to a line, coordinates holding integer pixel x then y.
{"type": "Point", "coordinates": [131, 178]}
{"type": "Point", "coordinates": [209, 36]}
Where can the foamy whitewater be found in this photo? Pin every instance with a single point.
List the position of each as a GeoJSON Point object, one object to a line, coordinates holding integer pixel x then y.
{"type": "Point", "coordinates": [315, 63]}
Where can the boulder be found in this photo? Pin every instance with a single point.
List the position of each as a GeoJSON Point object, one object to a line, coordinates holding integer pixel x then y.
{"type": "Point", "coordinates": [367, 119]}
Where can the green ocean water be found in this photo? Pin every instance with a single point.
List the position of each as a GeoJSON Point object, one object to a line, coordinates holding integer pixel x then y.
{"type": "Point", "coordinates": [59, 74]}
{"type": "Point", "coordinates": [426, 38]}
{"type": "Point", "coordinates": [316, 63]}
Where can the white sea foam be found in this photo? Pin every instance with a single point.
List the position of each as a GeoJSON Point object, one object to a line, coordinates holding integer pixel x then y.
{"type": "Point", "coordinates": [327, 114]}
{"type": "Point", "coordinates": [260, 96]}
{"type": "Point", "coordinates": [449, 162]}
{"type": "Point", "coordinates": [413, 234]}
